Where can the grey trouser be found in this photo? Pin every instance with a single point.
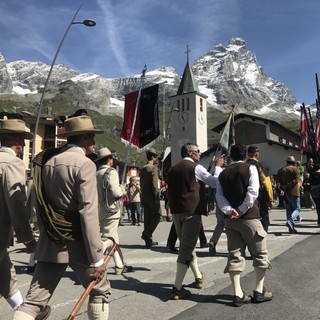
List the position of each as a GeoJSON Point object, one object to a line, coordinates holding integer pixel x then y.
{"type": "Point", "coordinates": [8, 277]}
{"type": "Point", "coordinates": [242, 233]}
{"type": "Point", "coordinates": [187, 227]}
{"type": "Point", "coordinates": [46, 278]}
{"type": "Point", "coordinates": [109, 227]}
{"type": "Point", "coordinates": [219, 226]}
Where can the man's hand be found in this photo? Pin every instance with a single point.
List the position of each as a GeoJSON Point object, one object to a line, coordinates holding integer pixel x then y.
{"type": "Point", "coordinates": [234, 214]}
{"type": "Point", "coordinates": [219, 162]}
{"type": "Point", "coordinates": [98, 272]}
{"type": "Point", "coordinates": [30, 246]}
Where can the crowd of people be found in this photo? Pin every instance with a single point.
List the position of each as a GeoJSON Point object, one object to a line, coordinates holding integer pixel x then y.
{"type": "Point", "coordinates": [80, 204]}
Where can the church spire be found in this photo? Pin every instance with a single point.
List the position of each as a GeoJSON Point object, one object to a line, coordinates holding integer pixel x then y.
{"type": "Point", "coordinates": [188, 83]}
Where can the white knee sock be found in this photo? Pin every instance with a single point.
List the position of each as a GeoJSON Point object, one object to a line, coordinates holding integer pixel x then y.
{"type": "Point", "coordinates": [98, 311]}
{"type": "Point", "coordinates": [260, 274]}
{"type": "Point", "coordinates": [117, 260]}
{"type": "Point", "coordinates": [195, 268]}
{"type": "Point", "coordinates": [181, 273]}
{"type": "Point", "coordinates": [19, 315]}
{"type": "Point", "coordinates": [235, 280]}
{"type": "Point", "coordinates": [32, 261]}
{"type": "Point", "coordinates": [15, 300]}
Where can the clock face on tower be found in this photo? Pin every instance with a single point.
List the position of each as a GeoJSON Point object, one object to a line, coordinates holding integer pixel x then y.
{"type": "Point", "coordinates": [183, 117]}
{"type": "Point", "coordinates": [201, 118]}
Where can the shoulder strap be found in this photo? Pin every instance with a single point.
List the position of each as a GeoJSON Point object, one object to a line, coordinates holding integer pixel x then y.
{"type": "Point", "coordinates": [106, 184]}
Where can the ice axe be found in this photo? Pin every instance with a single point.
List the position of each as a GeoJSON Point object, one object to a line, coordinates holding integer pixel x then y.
{"type": "Point", "coordinates": [87, 291]}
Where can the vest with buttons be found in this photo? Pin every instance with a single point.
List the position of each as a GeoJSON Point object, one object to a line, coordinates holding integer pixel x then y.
{"type": "Point", "coordinates": [234, 181]}
{"type": "Point", "coordinates": [183, 189]}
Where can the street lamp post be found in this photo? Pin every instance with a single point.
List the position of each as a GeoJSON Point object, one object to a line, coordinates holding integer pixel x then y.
{"type": "Point", "coordinates": [164, 110]}
{"type": "Point", "coordinates": [88, 23]}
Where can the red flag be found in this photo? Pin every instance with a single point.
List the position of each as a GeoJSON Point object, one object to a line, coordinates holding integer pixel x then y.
{"type": "Point", "coordinates": [146, 127]}
{"type": "Point", "coordinates": [303, 131]}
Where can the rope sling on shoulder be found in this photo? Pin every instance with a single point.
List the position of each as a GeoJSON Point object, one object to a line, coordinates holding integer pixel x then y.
{"type": "Point", "coordinates": [61, 226]}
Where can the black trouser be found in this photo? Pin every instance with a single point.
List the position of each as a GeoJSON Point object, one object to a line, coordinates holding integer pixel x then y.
{"type": "Point", "coordinates": [135, 212]}
{"type": "Point", "coordinates": [264, 211]}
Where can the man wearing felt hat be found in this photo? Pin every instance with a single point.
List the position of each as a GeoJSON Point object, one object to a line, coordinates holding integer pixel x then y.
{"type": "Point", "coordinates": [66, 189]}
{"type": "Point", "coordinates": [265, 198]}
{"type": "Point", "coordinates": [110, 191]}
{"type": "Point", "coordinates": [289, 179]}
{"type": "Point", "coordinates": [14, 214]}
{"type": "Point", "coordinates": [150, 197]}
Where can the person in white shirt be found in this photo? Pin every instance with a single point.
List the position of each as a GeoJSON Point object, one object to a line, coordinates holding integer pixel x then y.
{"type": "Point", "coordinates": [237, 193]}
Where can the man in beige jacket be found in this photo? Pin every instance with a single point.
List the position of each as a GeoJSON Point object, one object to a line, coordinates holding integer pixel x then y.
{"type": "Point", "coordinates": [13, 211]}
{"type": "Point", "coordinates": [67, 182]}
{"type": "Point", "coordinates": [110, 191]}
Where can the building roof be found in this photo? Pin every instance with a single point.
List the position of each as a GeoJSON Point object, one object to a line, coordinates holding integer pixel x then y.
{"type": "Point", "coordinates": [220, 127]}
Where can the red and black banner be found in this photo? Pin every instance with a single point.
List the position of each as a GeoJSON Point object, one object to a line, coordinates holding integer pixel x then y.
{"type": "Point", "coordinates": [146, 127]}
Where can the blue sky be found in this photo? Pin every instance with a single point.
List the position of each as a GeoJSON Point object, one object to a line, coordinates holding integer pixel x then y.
{"type": "Point", "coordinates": [283, 34]}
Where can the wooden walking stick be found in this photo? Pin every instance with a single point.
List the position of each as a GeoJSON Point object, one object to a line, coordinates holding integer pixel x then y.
{"type": "Point", "coordinates": [87, 291]}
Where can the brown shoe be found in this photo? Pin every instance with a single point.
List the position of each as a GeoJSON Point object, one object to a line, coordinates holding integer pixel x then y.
{"type": "Point", "coordinates": [212, 247]}
{"type": "Point", "coordinates": [44, 314]}
{"type": "Point", "coordinates": [200, 281]}
{"type": "Point", "coordinates": [179, 294]}
{"type": "Point", "coordinates": [262, 297]}
{"type": "Point", "coordinates": [239, 302]}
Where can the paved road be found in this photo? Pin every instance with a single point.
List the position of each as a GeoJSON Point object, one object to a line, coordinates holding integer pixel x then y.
{"type": "Point", "coordinates": [144, 293]}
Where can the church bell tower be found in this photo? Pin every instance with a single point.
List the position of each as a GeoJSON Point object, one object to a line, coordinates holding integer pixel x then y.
{"type": "Point", "coordinates": [189, 115]}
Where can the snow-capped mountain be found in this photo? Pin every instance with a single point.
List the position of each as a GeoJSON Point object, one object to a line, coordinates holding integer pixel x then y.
{"type": "Point", "coordinates": [232, 75]}
{"type": "Point", "coordinates": [228, 75]}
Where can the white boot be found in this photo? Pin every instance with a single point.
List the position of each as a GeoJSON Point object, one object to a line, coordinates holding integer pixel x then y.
{"type": "Point", "coordinates": [19, 315]}
{"type": "Point", "coordinates": [98, 311]}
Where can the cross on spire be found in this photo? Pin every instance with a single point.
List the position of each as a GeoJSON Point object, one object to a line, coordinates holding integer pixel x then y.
{"type": "Point", "coordinates": [187, 52]}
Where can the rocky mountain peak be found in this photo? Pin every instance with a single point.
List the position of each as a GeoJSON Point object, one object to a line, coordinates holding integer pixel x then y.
{"type": "Point", "coordinates": [231, 75]}
{"type": "Point", "coordinates": [5, 80]}
{"type": "Point", "coordinates": [228, 75]}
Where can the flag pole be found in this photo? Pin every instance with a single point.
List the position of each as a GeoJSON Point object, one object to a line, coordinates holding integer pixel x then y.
{"type": "Point", "coordinates": [317, 84]}
{"type": "Point", "coordinates": [143, 75]}
{"type": "Point", "coordinates": [310, 131]}
{"type": "Point", "coordinates": [316, 135]}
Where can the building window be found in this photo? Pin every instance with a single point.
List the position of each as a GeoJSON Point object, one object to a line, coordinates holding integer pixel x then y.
{"type": "Point", "coordinates": [182, 104]}
{"type": "Point", "coordinates": [188, 104]}
{"type": "Point", "coordinates": [178, 104]}
{"type": "Point", "coordinates": [201, 104]}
